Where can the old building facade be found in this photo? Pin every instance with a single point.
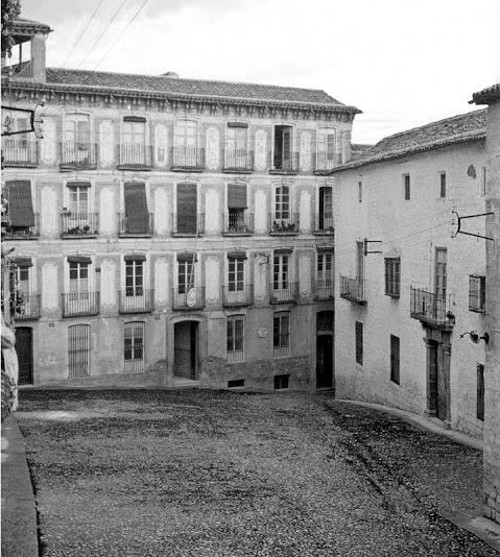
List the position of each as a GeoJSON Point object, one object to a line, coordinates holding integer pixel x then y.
{"type": "Point", "coordinates": [491, 458]}
{"type": "Point", "coordinates": [171, 228]}
{"type": "Point", "coordinates": [410, 298]}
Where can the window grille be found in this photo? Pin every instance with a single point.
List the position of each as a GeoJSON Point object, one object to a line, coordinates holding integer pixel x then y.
{"type": "Point", "coordinates": [235, 336]}
{"type": "Point", "coordinates": [281, 335]}
{"type": "Point", "coordinates": [134, 346]}
{"type": "Point", "coordinates": [477, 293]}
{"type": "Point", "coordinates": [392, 276]}
{"type": "Point", "coordinates": [79, 351]}
{"type": "Point", "coordinates": [359, 342]}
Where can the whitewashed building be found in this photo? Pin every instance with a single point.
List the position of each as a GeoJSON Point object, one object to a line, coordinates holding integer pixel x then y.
{"type": "Point", "coordinates": [409, 298]}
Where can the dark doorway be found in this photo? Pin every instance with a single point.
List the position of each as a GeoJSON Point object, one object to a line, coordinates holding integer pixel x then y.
{"type": "Point", "coordinates": [24, 349]}
{"type": "Point", "coordinates": [438, 390]}
{"type": "Point", "coordinates": [185, 349]}
{"type": "Point", "coordinates": [324, 362]}
{"type": "Point", "coordinates": [324, 349]}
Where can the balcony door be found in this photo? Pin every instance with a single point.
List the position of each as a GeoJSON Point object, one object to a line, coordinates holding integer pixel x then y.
{"type": "Point", "coordinates": [325, 208]}
{"type": "Point", "coordinates": [283, 147]}
{"type": "Point", "coordinates": [24, 349]}
{"type": "Point", "coordinates": [187, 209]}
{"type": "Point", "coordinates": [440, 280]}
{"type": "Point", "coordinates": [185, 144]}
{"type": "Point", "coordinates": [77, 219]}
{"type": "Point", "coordinates": [326, 150]}
{"type": "Point", "coordinates": [76, 146]}
{"type": "Point", "coordinates": [134, 298]}
{"type": "Point", "coordinates": [236, 146]}
{"type": "Point", "coordinates": [79, 298]}
{"type": "Point", "coordinates": [133, 146]}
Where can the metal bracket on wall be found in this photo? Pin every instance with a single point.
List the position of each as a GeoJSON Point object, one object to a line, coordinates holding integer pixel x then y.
{"type": "Point", "coordinates": [456, 221]}
{"type": "Point", "coordinates": [366, 242]}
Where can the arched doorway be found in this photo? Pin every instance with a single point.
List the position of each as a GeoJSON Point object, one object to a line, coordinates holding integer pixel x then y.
{"type": "Point", "coordinates": [186, 349]}
{"type": "Point", "coordinates": [324, 349]}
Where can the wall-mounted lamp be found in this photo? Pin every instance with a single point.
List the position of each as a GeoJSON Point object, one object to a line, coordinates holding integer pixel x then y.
{"type": "Point", "coordinates": [474, 336]}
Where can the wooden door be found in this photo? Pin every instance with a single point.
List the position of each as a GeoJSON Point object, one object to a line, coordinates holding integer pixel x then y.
{"type": "Point", "coordinates": [324, 361]}
{"type": "Point", "coordinates": [24, 348]}
{"type": "Point", "coordinates": [185, 348]}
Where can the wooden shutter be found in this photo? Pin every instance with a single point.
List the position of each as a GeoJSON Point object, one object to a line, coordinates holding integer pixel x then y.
{"type": "Point", "coordinates": [187, 206]}
{"type": "Point", "coordinates": [20, 204]}
{"type": "Point", "coordinates": [237, 196]}
{"type": "Point", "coordinates": [136, 208]}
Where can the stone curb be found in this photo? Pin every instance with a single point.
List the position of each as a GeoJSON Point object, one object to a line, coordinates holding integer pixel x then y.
{"type": "Point", "coordinates": [19, 521]}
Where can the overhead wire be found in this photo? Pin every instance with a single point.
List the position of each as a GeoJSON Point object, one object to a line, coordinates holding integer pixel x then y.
{"type": "Point", "coordinates": [78, 39]}
{"type": "Point", "coordinates": [103, 32]}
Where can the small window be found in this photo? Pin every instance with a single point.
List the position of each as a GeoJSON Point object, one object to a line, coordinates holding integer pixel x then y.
{"type": "Point", "coordinates": [442, 184]}
{"type": "Point", "coordinates": [235, 383]}
{"type": "Point", "coordinates": [407, 186]}
{"type": "Point", "coordinates": [281, 381]}
{"type": "Point", "coordinates": [281, 335]}
{"type": "Point", "coordinates": [395, 359]}
{"type": "Point", "coordinates": [360, 192]}
{"type": "Point", "coordinates": [480, 392]}
{"type": "Point", "coordinates": [392, 276]}
{"type": "Point", "coordinates": [477, 293]}
{"type": "Point", "coordinates": [234, 338]}
{"type": "Point", "coordinates": [359, 342]}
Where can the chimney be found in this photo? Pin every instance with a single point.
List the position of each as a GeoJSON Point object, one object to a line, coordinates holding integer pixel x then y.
{"type": "Point", "coordinates": [38, 57]}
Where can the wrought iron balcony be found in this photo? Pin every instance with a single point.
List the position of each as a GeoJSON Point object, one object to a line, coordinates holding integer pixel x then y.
{"type": "Point", "coordinates": [27, 307]}
{"type": "Point", "coordinates": [238, 223]}
{"type": "Point", "coordinates": [136, 300]}
{"type": "Point", "coordinates": [285, 226]}
{"type": "Point", "coordinates": [20, 232]}
{"type": "Point", "coordinates": [192, 298]}
{"type": "Point", "coordinates": [324, 162]}
{"type": "Point", "coordinates": [283, 292]}
{"type": "Point", "coordinates": [79, 225]}
{"type": "Point", "coordinates": [287, 164]}
{"type": "Point", "coordinates": [323, 225]}
{"type": "Point", "coordinates": [352, 289]}
{"type": "Point", "coordinates": [431, 309]}
{"type": "Point", "coordinates": [20, 152]}
{"type": "Point", "coordinates": [80, 303]}
{"type": "Point", "coordinates": [188, 225]}
{"type": "Point", "coordinates": [132, 156]}
{"type": "Point", "coordinates": [238, 160]}
{"type": "Point", "coordinates": [128, 226]}
{"type": "Point", "coordinates": [324, 289]}
{"type": "Point", "coordinates": [186, 158]}
{"type": "Point", "coordinates": [237, 298]}
{"type": "Point", "coordinates": [78, 156]}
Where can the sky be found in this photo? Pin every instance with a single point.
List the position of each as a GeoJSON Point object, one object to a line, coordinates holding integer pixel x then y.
{"type": "Point", "coordinates": [404, 63]}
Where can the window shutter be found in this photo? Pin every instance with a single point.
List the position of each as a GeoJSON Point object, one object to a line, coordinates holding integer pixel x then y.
{"type": "Point", "coordinates": [237, 196]}
{"type": "Point", "coordinates": [187, 208]}
{"type": "Point", "coordinates": [20, 204]}
{"type": "Point", "coordinates": [136, 208]}
{"type": "Point", "coordinates": [22, 262]}
{"type": "Point", "coordinates": [79, 259]}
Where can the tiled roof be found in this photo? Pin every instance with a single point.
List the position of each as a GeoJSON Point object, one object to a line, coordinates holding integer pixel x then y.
{"type": "Point", "coordinates": [450, 131]}
{"type": "Point", "coordinates": [21, 25]}
{"type": "Point", "coordinates": [358, 149]}
{"type": "Point", "coordinates": [487, 95]}
{"type": "Point", "coordinates": [195, 88]}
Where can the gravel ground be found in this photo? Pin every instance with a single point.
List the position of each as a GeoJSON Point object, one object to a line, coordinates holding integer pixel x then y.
{"type": "Point", "coordinates": [214, 473]}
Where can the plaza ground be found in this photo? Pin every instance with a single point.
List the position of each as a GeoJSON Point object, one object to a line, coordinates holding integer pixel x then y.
{"type": "Point", "coordinates": [217, 473]}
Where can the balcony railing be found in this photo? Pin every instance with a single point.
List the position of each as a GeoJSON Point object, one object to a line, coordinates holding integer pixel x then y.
{"type": "Point", "coordinates": [286, 225]}
{"type": "Point", "coordinates": [188, 225]}
{"type": "Point", "coordinates": [20, 152]}
{"type": "Point", "coordinates": [324, 289]}
{"type": "Point", "coordinates": [81, 225]}
{"type": "Point", "coordinates": [238, 224]}
{"type": "Point", "coordinates": [78, 156]}
{"type": "Point", "coordinates": [237, 298]}
{"type": "Point", "coordinates": [128, 226]}
{"type": "Point", "coordinates": [135, 155]}
{"type": "Point", "coordinates": [283, 293]}
{"type": "Point", "coordinates": [80, 303]}
{"type": "Point", "coordinates": [323, 225]}
{"type": "Point", "coordinates": [238, 160]}
{"type": "Point", "coordinates": [323, 162]}
{"type": "Point", "coordinates": [289, 164]}
{"type": "Point", "coordinates": [194, 298]}
{"type": "Point", "coordinates": [136, 300]}
{"type": "Point", "coordinates": [27, 307]}
{"type": "Point", "coordinates": [20, 69]}
{"type": "Point", "coordinates": [430, 308]}
{"type": "Point", "coordinates": [20, 232]}
{"type": "Point", "coordinates": [188, 158]}
{"type": "Point", "coordinates": [352, 289]}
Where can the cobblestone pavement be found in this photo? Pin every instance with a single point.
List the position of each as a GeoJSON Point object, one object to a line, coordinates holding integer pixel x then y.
{"type": "Point", "coordinates": [232, 474]}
